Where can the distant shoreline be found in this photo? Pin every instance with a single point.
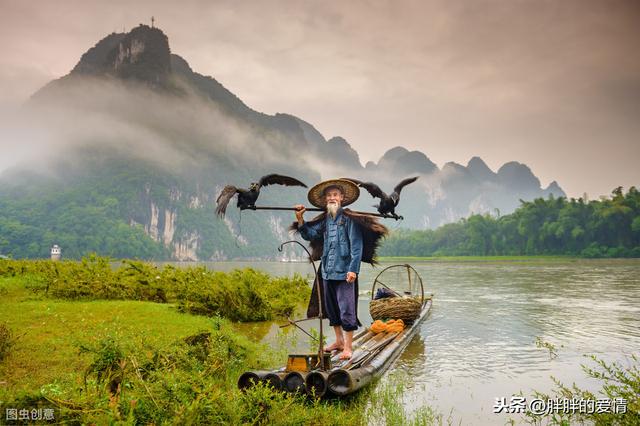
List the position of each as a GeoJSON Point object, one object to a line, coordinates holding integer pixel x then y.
{"type": "Point", "coordinates": [481, 259]}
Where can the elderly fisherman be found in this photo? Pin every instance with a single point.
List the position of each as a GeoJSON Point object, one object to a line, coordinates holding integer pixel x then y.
{"type": "Point", "coordinates": [341, 239]}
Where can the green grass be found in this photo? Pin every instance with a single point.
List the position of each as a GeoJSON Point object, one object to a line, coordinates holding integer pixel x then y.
{"type": "Point", "coordinates": [48, 331]}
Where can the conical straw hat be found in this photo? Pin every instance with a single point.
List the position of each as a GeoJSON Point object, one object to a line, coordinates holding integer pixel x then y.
{"type": "Point", "coordinates": [349, 189]}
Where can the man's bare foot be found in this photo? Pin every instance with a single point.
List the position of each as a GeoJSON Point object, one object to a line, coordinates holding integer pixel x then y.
{"type": "Point", "coordinates": [333, 347]}
{"type": "Point", "coordinates": [346, 354]}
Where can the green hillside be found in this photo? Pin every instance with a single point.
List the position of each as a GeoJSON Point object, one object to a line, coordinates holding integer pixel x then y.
{"type": "Point", "coordinates": [102, 206]}
{"type": "Point", "coordinates": [608, 227]}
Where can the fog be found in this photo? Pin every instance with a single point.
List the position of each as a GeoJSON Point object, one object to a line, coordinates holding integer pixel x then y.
{"type": "Point", "coordinates": [177, 131]}
{"type": "Point", "coordinates": [555, 85]}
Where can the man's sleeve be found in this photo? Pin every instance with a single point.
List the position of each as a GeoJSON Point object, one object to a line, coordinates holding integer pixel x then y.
{"type": "Point", "coordinates": [355, 237]}
{"type": "Point", "coordinates": [311, 232]}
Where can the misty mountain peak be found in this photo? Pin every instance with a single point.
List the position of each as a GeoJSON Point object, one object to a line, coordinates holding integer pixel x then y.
{"type": "Point", "coordinates": [453, 166]}
{"type": "Point", "coordinates": [400, 158]}
{"type": "Point", "coordinates": [479, 169]}
{"type": "Point", "coordinates": [519, 176]}
{"type": "Point", "coordinates": [395, 153]}
{"type": "Point", "coordinates": [553, 185]}
{"type": "Point", "coordinates": [345, 151]}
{"type": "Point", "coordinates": [142, 54]}
{"type": "Point", "coordinates": [555, 190]}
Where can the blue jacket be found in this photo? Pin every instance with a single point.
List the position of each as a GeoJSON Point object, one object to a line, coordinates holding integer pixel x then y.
{"type": "Point", "coordinates": [342, 250]}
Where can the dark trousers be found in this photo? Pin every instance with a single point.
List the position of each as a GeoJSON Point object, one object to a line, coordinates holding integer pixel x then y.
{"type": "Point", "coordinates": [340, 304]}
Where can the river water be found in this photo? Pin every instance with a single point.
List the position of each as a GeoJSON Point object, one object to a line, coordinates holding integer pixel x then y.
{"type": "Point", "coordinates": [479, 342]}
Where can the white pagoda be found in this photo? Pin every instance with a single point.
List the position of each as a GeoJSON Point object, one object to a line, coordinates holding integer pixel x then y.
{"type": "Point", "coordinates": [56, 252]}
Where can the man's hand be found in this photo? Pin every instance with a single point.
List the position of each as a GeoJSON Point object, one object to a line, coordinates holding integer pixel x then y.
{"type": "Point", "coordinates": [351, 277]}
{"type": "Point", "coordinates": [300, 209]}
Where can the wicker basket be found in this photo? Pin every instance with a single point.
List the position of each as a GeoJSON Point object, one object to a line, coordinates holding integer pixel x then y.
{"type": "Point", "coordinates": [405, 308]}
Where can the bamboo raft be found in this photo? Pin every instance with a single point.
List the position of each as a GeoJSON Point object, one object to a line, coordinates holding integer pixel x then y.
{"type": "Point", "coordinates": [372, 355]}
{"type": "Point", "coordinates": [374, 348]}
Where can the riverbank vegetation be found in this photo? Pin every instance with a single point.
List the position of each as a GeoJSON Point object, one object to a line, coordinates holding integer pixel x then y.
{"type": "Point", "coordinates": [481, 259]}
{"type": "Point", "coordinates": [240, 295]}
{"type": "Point", "coordinates": [609, 227]}
{"type": "Point", "coordinates": [617, 402]}
{"type": "Point", "coordinates": [133, 352]}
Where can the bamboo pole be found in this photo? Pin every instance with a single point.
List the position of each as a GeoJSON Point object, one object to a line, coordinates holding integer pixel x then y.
{"type": "Point", "coordinates": [314, 209]}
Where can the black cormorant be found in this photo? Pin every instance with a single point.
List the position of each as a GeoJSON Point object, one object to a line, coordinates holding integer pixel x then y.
{"type": "Point", "coordinates": [247, 197]}
{"type": "Point", "coordinates": [388, 203]}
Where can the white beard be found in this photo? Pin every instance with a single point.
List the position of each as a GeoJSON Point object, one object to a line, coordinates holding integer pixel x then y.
{"type": "Point", "coordinates": [332, 209]}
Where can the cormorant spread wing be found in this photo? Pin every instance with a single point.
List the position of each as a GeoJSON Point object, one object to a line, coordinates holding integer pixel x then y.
{"type": "Point", "coordinates": [223, 199]}
{"type": "Point", "coordinates": [272, 179]}
{"type": "Point", "coordinates": [395, 195]}
{"type": "Point", "coordinates": [371, 187]}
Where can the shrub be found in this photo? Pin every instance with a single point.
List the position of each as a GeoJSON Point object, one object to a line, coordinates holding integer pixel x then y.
{"type": "Point", "coordinates": [246, 295]}
{"type": "Point", "coordinates": [617, 382]}
{"type": "Point", "coordinates": [108, 365]}
{"type": "Point", "coordinates": [593, 251]}
{"type": "Point", "coordinates": [240, 295]}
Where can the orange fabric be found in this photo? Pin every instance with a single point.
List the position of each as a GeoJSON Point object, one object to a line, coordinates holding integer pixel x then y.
{"type": "Point", "coordinates": [391, 326]}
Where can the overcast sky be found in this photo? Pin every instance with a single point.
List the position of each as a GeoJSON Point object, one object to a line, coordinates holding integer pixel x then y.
{"type": "Point", "coordinates": [553, 84]}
